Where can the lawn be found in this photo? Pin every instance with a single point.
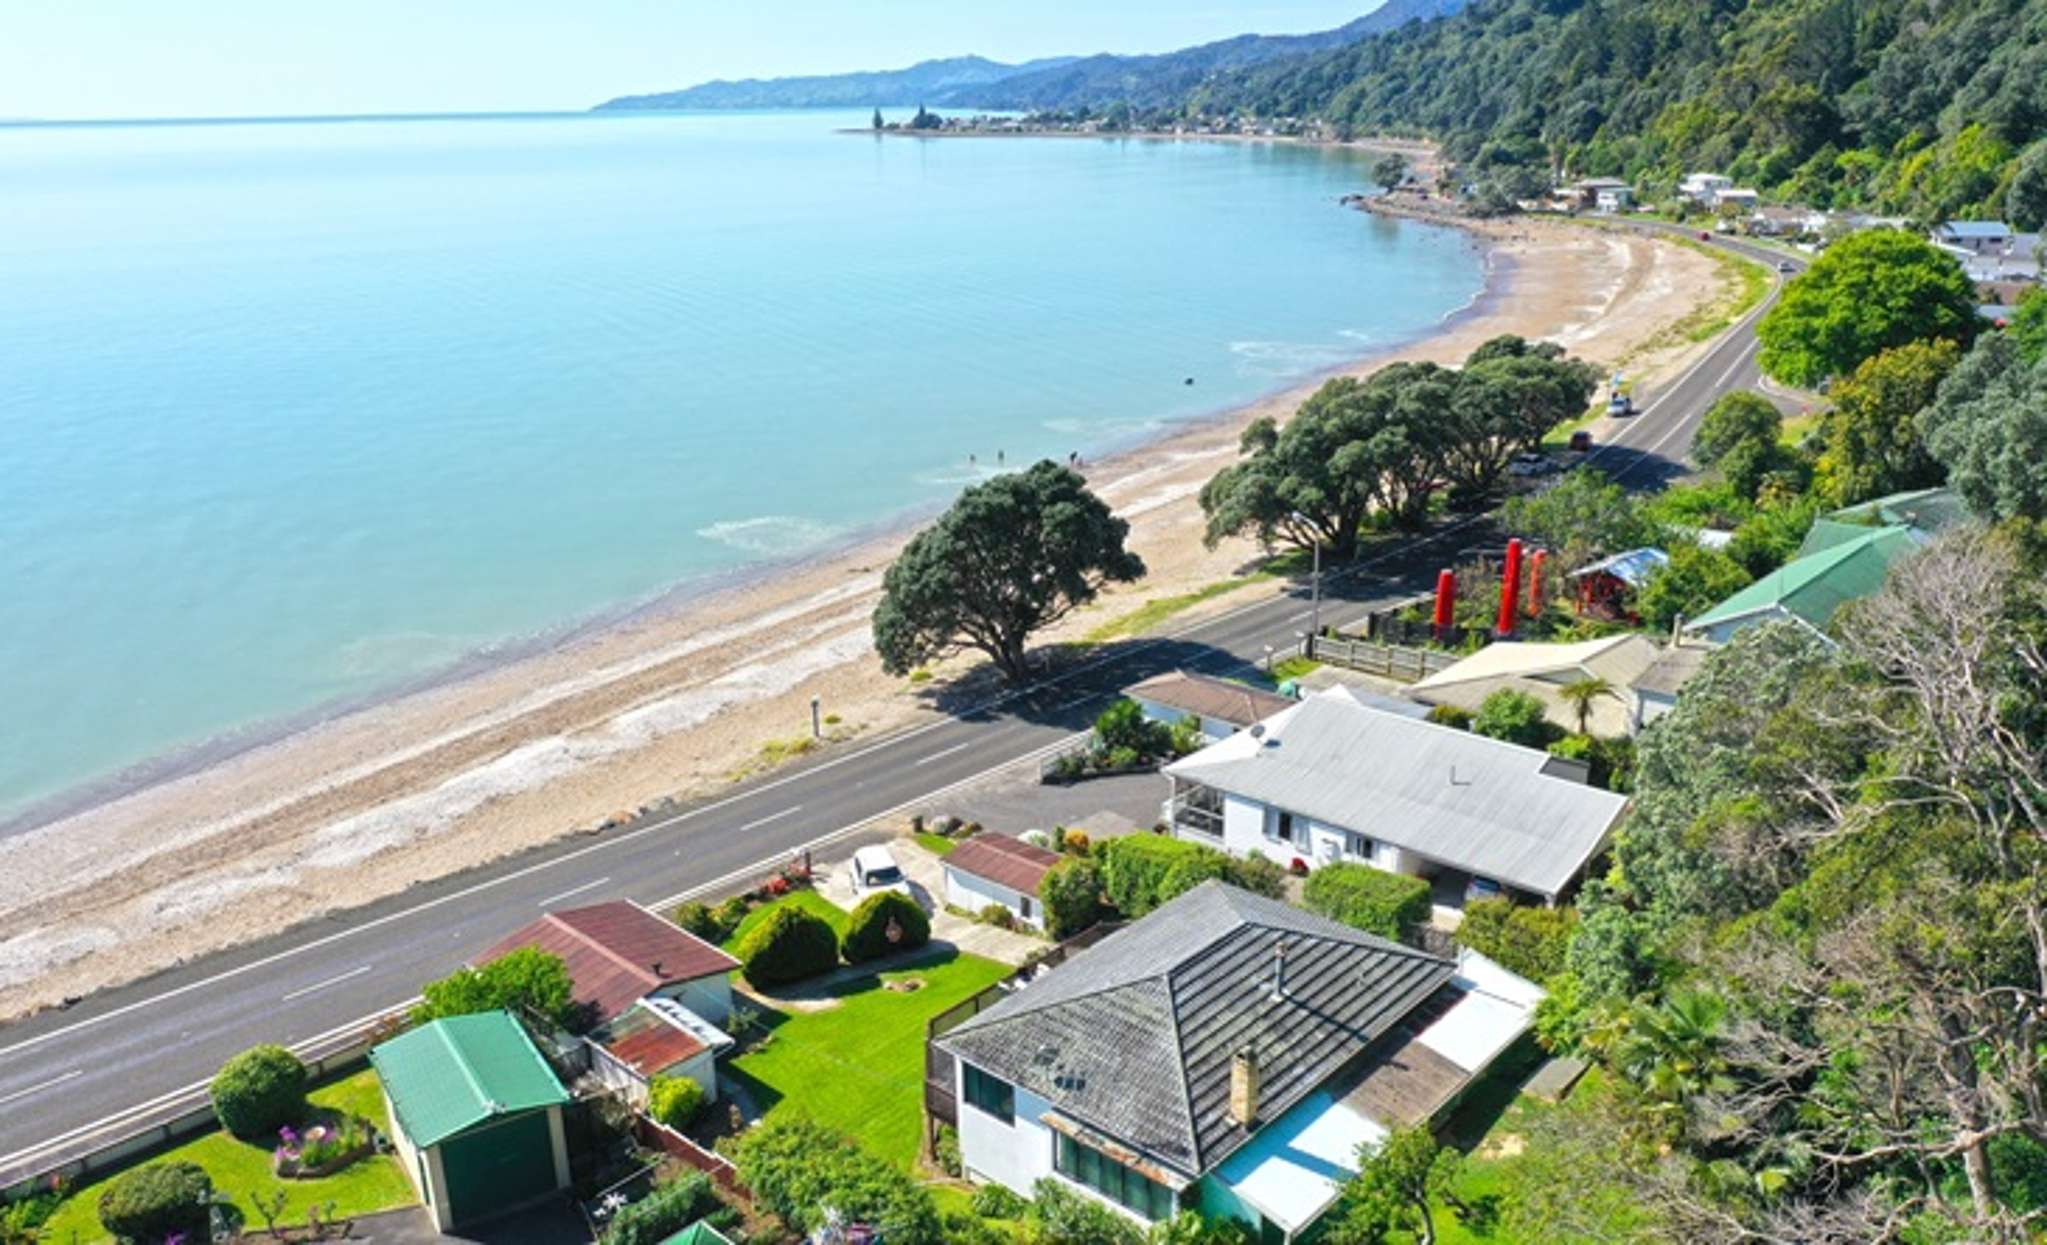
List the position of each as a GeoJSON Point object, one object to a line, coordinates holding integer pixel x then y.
{"type": "Point", "coordinates": [858, 1065]}
{"type": "Point", "coordinates": [808, 900]}
{"type": "Point", "coordinates": [1150, 615]}
{"type": "Point", "coordinates": [242, 1171]}
{"type": "Point", "coordinates": [936, 844]}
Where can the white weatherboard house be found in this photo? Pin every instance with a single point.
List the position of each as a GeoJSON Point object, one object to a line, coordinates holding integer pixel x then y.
{"type": "Point", "coordinates": [997, 869]}
{"type": "Point", "coordinates": [1334, 778]}
{"type": "Point", "coordinates": [1220, 708]}
{"type": "Point", "coordinates": [1228, 1054]}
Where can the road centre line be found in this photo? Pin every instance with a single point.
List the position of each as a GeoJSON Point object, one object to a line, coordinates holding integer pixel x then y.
{"type": "Point", "coordinates": [317, 986]}
{"type": "Point", "coordinates": [574, 890]}
{"type": "Point", "coordinates": [791, 811]}
{"type": "Point", "coordinates": [52, 1083]}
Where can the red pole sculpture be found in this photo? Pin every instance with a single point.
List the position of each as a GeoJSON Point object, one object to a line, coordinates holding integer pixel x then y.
{"type": "Point", "coordinates": [1535, 565]}
{"type": "Point", "coordinates": [1510, 592]}
{"type": "Point", "coordinates": [1446, 603]}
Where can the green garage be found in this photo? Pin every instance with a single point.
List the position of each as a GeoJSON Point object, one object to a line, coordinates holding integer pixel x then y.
{"type": "Point", "coordinates": [476, 1116]}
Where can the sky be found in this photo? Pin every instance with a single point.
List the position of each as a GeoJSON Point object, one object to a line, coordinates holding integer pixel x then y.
{"type": "Point", "coordinates": [64, 59]}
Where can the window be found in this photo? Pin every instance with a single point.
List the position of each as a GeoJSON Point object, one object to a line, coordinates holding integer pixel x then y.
{"type": "Point", "coordinates": [1125, 1186]}
{"type": "Point", "coordinates": [1357, 845]}
{"type": "Point", "coordinates": [1283, 826]}
{"type": "Point", "coordinates": [1025, 909]}
{"type": "Point", "coordinates": [991, 1094]}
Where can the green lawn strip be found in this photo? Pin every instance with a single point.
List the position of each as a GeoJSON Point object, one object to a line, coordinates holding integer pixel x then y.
{"type": "Point", "coordinates": [1152, 613]}
{"type": "Point", "coordinates": [858, 1066]}
{"type": "Point", "coordinates": [809, 901]}
{"type": "Point", "coordinates": [242, 1171]}
{"type": "Point", "coordinates": [936, 844]}
{"type": "Point", "coordinates": [1293, 668]}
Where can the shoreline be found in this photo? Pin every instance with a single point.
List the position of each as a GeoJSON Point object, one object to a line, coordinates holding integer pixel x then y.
{"type": "Point", "coordinates": [635, 707]}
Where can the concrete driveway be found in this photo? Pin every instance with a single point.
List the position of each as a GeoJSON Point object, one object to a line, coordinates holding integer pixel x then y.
{"type": "Point", "coordinates": [927, 887]}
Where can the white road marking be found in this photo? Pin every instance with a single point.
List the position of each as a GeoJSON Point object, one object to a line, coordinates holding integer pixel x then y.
{"type": "Point", "coordinates": [573, 890]}
{"type": "Point", "coordinates": [939, 756]}
{"type": "Point", "coordinates": [52, 1083]}
{"type": "Point", "coordinates": [318, 986]}
{"type": "Point", "coordinates": [762, 821]}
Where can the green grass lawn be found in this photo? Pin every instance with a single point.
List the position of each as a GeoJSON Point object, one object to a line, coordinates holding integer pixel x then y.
{"type": "Point", "coordinates": [242, 1171]}
{"type": "Point", "coordinates": [936, 844]}
{"type": "Point", "coordinates": [858, 1066]}
{"type": "Point", "coordinates": [1151, 614]}
{"type": "Point", "coordinates": [809, 901]}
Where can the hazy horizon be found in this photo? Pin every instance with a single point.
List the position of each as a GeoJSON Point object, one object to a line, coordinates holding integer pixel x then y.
{"type": "Point", "coordinates": [230, 59]}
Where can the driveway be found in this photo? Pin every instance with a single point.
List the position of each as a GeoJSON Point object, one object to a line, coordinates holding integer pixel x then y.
{"type": "Point", "coordinates": [927, 886]}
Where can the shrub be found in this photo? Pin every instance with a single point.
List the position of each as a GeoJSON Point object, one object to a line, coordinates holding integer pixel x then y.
{"type": "Point", "coordinates": [1451, 715]}
{"type": "Point", "coordinates": [731, 914]}
{"type": "Point", "coordinates": [158, 1200]}
{"type": "Point", "coordinates": [667, 1209]}
{"type": "Point", "coordinates": [994, 1201]}
{"type": "Point", "coordinates": [260, 1091]}
{"type": "Point", "coordinates": [526, 979]}
{"type": "Point", "coordinates": [882, 924]}
{"type": "Point", "coordinates": [946, 1150]}
{"type": "Point", "coordinates": [789, 945]}
{"type": "Point", "coordinates": [997, 915]}
{"type": "Point", "coordinates": [796, 1167]}
{"type": "Point", "coordinates": [674, 1100]}
{"type": "Point", "coordinates": [1373, 900]}
{"type": "Point", "coordinates": [963, 1228]}
{"type": "Point", "coordinates": [1529, 941]}
{"type": "Point", "coordinates": [1122, 727]}
{"type": "Point", "coordinates": [1260, 875]}
{"type": "Point", "coordinates": [1184, 738]}
{"type": "Point", "coordinates": [1135, 870]}
{"type": "Point", "coordinates": [1516, 717]}
{"type": "Point", "coordinates": [1072, 894]}
{"type": "Point", "coordinates": [1196, 868]}
{"type": "Point", "coordinates": [695, 917]}
{"type": "Point", "coordinates": [1074, 842]}
{"type": "Point", "coordinates": [1062, 1217]}
{"type": "Point", "coordinates": [1122, 758]}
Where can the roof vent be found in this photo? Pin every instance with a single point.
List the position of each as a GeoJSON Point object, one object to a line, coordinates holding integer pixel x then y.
{"type": "Point", "coordinates": [655, 968]}
{"type": "Point", "coordinates": [1279, 970]}
{"type": "Point", "coordinates": [1258, 730]}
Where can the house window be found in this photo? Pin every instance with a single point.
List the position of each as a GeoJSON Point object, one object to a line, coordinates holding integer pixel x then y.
{"type": "Point", "coordinates": [1024, 908]}
{"type": "Point", "coordinates": [991, 1094]}
{"type": "Point", "coordinates": [1357, 845]}
{"type": "Point", "coordinates": [1283, 826]}
{"type": "Point", "coordinates": [1125, 1186]}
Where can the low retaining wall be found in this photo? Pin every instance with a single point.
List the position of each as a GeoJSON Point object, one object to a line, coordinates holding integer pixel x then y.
{"type": "Point", "coordinates": [675, 1145]}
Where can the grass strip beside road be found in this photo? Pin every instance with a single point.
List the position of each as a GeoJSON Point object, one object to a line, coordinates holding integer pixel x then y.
{"type": "Point", "coordinates": [1151, 614]}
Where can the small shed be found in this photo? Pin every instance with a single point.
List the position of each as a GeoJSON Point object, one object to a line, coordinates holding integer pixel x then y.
{"type": "Point", "coordinates": [476, 1117]}
{"type": "Point", "coordinates": [1606, 588]}
{"type": "Point", "coordinates": [657, 1037]}
{"type": "Point", "coordinates": [995, 868]}
{"type": "Point", "coordinates": [619, 953]}
{"type": "Point", "coordinates": [1656, 689]}
{"type": "Point", "coordinates": [1222, 708]}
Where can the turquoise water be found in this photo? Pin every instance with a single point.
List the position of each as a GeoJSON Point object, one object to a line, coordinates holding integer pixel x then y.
{"type": "Point", "coordinates": [293, 412]}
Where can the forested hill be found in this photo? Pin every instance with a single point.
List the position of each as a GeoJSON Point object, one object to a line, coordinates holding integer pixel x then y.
{"type": "Point", "coordinates": [1926, 107]}
{"type": "Point", "coordinates": [1063, 82]}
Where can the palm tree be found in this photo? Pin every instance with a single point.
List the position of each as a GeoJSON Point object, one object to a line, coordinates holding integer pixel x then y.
{"type": "Point", "coordinates": [1581, 695]}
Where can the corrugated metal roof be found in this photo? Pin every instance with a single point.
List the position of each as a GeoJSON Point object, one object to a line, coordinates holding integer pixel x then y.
{"type": "Point", "coordinates": [1813, 588]}
{"type": "Point", "coordinates": [1135, 1037]}
{"type": "Point", "coordinates": [617, 953]}
{"type": "Point", "coordinates": [449, 1076]}
{"type": "Point", "coordinates": [653, 1035]}
{"type": "Point", "coordinates": [1002, 859]}
{"type": "Point", "coordinates": [1473, 803]}
{"type": "Point", "coordinates": [1632, 567]}
{"type": "Point", "coordinates": [1543, 671]}
{"type": "Point", "coordinates": [1209, 697]}
{"type": "Point", "coordinates": [1977, 228]}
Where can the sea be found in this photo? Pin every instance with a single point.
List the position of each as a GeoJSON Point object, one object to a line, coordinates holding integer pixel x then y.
{"type": "Point", "coordinates": [294, 413]}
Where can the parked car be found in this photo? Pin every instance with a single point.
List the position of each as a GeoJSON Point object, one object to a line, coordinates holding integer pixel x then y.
{"type": "Point", "coordinates": [1532, 464]}
{"type": "Point", "coordinates": [1620, 404]}
{"type": "Point", "coordinates": [1581, 442]}
{"type": "Point", "coordinates": [1704, 236]}
{"type": "Point", "coordinates": [875, 869]}
{"type": "Point", "coordinates": [1785, 265]}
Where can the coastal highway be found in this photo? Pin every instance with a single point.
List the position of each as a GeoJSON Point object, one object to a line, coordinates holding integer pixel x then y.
{"type": "Point", "coordinates": [75, 1079]}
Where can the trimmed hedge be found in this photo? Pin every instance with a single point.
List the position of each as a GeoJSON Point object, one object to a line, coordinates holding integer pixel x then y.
{"type": "Point", "coordinates": [796, 1167]}
{"type": "Point", "coordinates": [1072, 895]}
{"type": "Point", "coordinates": [259, 1091]}
{"type": "Point", "coordinates": [1378, 902]}
{"type": "Point", "coordinates": [666, 1210]}
{"type": "Point", "coordinates": [1529, 941]}
{"type": "Point", "coordinates": [867, 930]}
{"type": "Point", "coordinates": [674, 1100]}
{"type": "Point", "coordinates": [790, 945]}
{"type": "Point", "coordinates": [158, 1200]}
{"type": "Point", "coordinates": [1142, 871]}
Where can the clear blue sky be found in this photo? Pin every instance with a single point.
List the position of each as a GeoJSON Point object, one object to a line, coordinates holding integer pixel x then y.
{"type": "Point", "coordinates": [159, 58]}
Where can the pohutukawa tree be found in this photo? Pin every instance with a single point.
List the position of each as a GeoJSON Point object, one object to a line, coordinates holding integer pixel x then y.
{"type": "Point", "coordinates": [1010, 558]}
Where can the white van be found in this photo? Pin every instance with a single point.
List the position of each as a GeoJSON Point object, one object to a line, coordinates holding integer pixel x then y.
{"type": "Point", "coordinates": [875, 869]}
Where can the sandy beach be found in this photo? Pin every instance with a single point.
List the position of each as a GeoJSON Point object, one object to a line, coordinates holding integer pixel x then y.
{"type": "Point", "coordinates": [675, 703]}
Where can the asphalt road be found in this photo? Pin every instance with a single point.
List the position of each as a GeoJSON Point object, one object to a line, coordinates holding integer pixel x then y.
{"type": "Point", "coordinates": [122, 1059]}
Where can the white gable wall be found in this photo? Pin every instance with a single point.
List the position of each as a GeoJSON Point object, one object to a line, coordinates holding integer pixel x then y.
{"type": "Point", "coordinates": [972, 892]}
{"type": "Point", "coordinates": [1248, 828]}
{"type": "Point", "coordinates": [1014, 1155]}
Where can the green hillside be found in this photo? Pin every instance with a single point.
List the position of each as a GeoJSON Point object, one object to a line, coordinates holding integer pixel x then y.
{"type": "Point", "coordinates": [1926, 108]}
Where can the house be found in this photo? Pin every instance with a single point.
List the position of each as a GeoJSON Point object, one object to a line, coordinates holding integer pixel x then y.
{"type": "Point", "coordinates": [1809, 589]}
{"type": "Point", "coordinates": [1334, 778]}
{"type": "Point", "coordinates": [1227, 1053]}
{"type": "Point", "coordinates": [1973, 237]}
{"type": "Point", "coordinates": [1221, 707]}
{"type": "Point", "coordinates": [1737, 200]}
{"type": "Point", "coordinates": [1608, 194]}
{"type": "Point", "coordinates": [992, 868]}
{"type": "Point", "coordinates": [1655, 690]}
{"type": "Point", "coordinates": [1701, 188]}
{"type": "Point", "coordinates": [476, 1117]}
{"type": "Point", "coordinates": [1543, 671]}
{"type": "Point", "coordinates": [1783, 222]}
{"type": "Point", "coordinates": [1928, 511]}
{"type": "Point", "coordinates": [699, 1233]}
{"type": "Point", "coordinates": [657, 1037]}
{"type": "Point", "coordinates": [1606, 588]}
{"type": "Point", "coordinates": [618, 953]}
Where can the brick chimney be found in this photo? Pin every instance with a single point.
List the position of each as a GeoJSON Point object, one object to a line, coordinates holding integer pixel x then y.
{"type": "Point", "coordinates": [1244, 1087]}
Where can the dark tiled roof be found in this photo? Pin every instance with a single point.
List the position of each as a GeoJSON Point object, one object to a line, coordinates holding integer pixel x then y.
{"type": "Point", "coordinates": [617, 953]}
{"type": "Point", "coordinates": [1135, 1037]}
{"type": "Point", "coordinates": [1211, 698]}
{"type": "Point", "coordinates": [1004, 860]}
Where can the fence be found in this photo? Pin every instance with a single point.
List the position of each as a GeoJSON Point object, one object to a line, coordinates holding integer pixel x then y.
{"type": "Point", "coordinates": [1392, 661]}
{"type": "Point", "coordinates": [660, 1137]}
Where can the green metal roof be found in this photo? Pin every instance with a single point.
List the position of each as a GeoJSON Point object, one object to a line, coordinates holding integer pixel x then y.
{"type": "Point", "coordinates": [1813, 587]}
{"type": "Point", "coordinates": [1930, 510]}
{"type": "Point", "coordinates": [699, 1233]}
{"type": "Point", "coordinates": [451, 1075]}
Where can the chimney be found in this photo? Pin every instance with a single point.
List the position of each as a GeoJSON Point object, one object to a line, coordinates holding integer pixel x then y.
{"type": "Point", "coordinates": [1279, 970]}
{"type": "Point", "coordinates": [1244, 1087]}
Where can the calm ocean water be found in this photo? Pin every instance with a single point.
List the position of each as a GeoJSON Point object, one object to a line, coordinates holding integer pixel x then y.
{"type": "Point", "coordinates": [292, 412]}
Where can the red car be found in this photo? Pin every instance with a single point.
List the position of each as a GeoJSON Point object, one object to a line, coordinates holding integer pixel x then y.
{"type": "Point", "coordinates": [1581, 442]}
{"type": "Point", "coordinates": [1704, 236]}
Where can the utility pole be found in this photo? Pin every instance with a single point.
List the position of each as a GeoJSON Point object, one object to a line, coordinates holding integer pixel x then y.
{"type": "Point", "coordinates": [1315, 600]}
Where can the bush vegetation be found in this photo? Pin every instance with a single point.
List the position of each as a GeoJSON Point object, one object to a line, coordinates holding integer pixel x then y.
{"type": "Point", "coordinates": [1373, 900]}
{"type": "Point", "coordinates": [796, 1168]}
{"type": "Point", "coordinates": [1072, 894]}
{"type": "Point", "coordinates": [525, 980]}
{"type": "Point", "coordinates": [1527, 940]}
{"type": "Point", "coordinates": [789, 945]}
{"type": "Point", "coordinates": [1142, 871]}
{"type": "Point", "coordinates": [674, 1100]}
{"type": "Point", "coordinates": [665, 1210]}
{"type": "Point", "coordinates": [259, 1091]}
{"type": "Point", "coordinates": [884, 923]}
{"type": "Point", "coordinates": [157, 1201]}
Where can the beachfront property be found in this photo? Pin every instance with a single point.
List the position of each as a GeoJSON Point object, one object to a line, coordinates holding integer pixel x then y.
{"type": "Point", "coordinates": [1335, 778]}
{"type": "Point", "coordinates": [1701, 188]}
{"type": "Point", "coordinates": [476, 1117]}
{"type": "Point", "coordinates": [1221, 708]}
{"type": "Point", "coordinates": [1226, 1053]}
{"type": "Point", "coordinates": [999, 870]}
{"type": "Point", "coordinates": [1973, 237]}
{"type": "Point", "coordinates": [656, 1037]}
{"type": "Point", "coordinates": [1543, 671]}
{"type": "Point", "coordinates": [618, 953]}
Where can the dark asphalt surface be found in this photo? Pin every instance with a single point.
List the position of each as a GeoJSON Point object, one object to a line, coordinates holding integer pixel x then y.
{"type": "Point", "coordinates": [117, 1061]}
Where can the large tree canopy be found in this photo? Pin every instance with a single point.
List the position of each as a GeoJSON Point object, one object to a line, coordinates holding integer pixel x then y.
{"type": "Point", "coordinates": [1011, 557]}
{"type": "Point", "coordinates": [1989, 428]}
{"type": "Point", "coordinates": [1866, 294]}
{"type": "Point", "coordinates": [1873, 446]}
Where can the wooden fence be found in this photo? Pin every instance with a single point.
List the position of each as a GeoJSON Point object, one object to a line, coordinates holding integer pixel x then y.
{"type": "Point", "coordinates": [1391, 661]}
{"type": "Point", "coordinates": [656, 1136]}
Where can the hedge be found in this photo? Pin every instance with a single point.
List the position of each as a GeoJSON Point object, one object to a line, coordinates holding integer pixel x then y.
{"type": "Point", "coordinates": [260, 1091]}
{"type": "Point", "coordinates": [666, 1210]}
{"type": "Point", "coordinates": [1072, 894]}
{"type": "Point", "coordinates": [795, 1167]}
{"type": "Point", "coordinates": [674, 1100]}
{"type": "Point", "coordinates": [1529, 941]}
{"type": "Point", "coordinates": [158, 1200]}
{"type": "Point", "coordinates": [1142, 871]}
{"type": "Point", "coordinates": [867, 930]}
{"type": "Point", "coordinates": [1378, 902]}
{"type": "Point", "coordinates": [790, 945]}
